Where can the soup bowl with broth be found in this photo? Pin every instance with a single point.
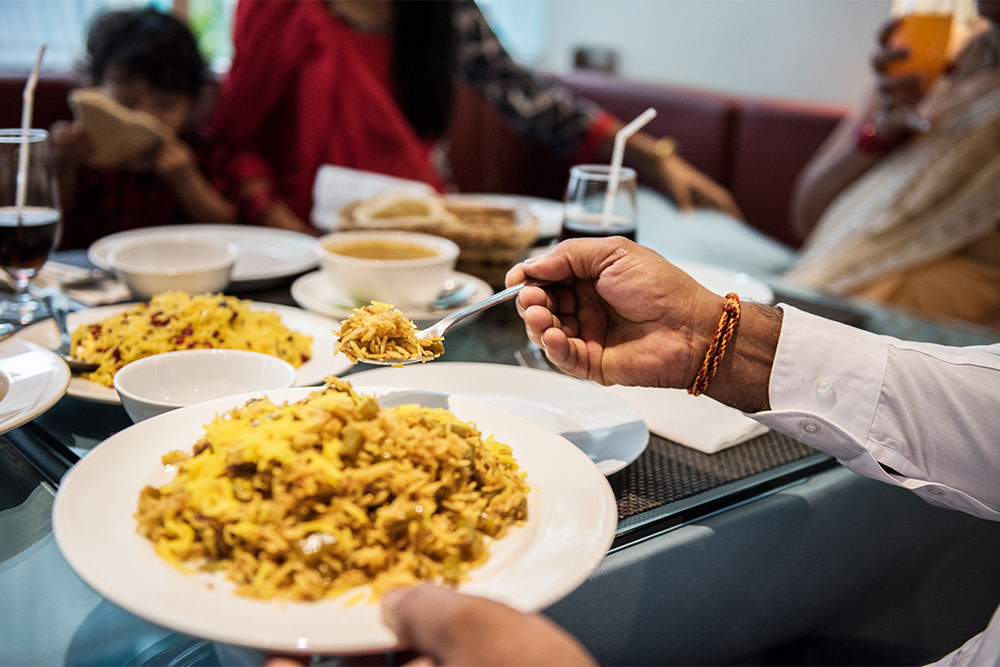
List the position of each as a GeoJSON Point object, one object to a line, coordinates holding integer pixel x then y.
{"type": "Point", "coordinates": [401, 268]}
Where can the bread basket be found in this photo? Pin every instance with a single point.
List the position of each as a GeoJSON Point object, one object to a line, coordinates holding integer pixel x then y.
{"type": "Point", "coordinates": [490, 238]}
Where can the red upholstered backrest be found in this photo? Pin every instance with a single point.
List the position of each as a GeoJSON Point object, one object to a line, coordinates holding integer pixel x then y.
{"type": "Point", "coordinates": [700, 121]}
{"type": "Point", "coordinates": [756, 148]}
{"type": "Point", "coordinates": [50, 98]}
{"type": "Point", "coordinates": [772, 142]}
{"type": "Point", "coordinates": [487, 156]}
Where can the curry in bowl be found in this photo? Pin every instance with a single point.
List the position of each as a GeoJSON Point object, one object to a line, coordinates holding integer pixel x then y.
{"type": "Point", "coordinates": [381, 249]}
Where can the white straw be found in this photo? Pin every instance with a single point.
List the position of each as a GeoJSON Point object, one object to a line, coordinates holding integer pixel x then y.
{"type": "Point", "coordinates": [617, 155]}
{"type": "Point", "coordinates": [27, 104]}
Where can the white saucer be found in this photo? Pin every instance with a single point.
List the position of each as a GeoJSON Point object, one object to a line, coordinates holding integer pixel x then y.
{"type": "Point", "coordinates": [722, 281]}
{"type": "Point", "coordinates": [316, 292]}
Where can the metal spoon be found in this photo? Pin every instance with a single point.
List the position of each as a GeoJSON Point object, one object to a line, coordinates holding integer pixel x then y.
{"type": "Point", "coordinates": [93, 278]}
{"type": "Point", "coordinates": [58, 312]}
{"type": "Point", "coordinates": [440, 327]}
{"type": "Point", "coordinates": [453, 294]}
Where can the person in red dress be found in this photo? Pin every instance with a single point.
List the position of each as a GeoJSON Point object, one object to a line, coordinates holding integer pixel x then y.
{"type": "Point", "coordinates": [368, 85]}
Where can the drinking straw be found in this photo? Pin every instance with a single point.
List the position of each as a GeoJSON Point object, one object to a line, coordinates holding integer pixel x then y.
{"type": "Point", "coordinates": [28, 103]}
{"type": "Point", "coordinates": [617, 155]}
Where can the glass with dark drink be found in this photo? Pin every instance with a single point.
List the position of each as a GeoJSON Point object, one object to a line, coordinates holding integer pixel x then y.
{"type": "Point", "coordinates": [29, 232]}
{"type": "Point", "coordinates": [586, 193]}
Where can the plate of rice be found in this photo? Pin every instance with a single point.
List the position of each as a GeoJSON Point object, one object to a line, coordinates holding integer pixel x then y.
{"type": "Point", "coordinates": [276, 521]}
{"type": "Point", "coordinates": [115, 335]}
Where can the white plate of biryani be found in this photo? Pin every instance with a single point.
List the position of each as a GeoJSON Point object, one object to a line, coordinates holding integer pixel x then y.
{"type": "Point", "coordinates": [558, 513]}
{"type": "Point", "coordinates": [32, 380]}
{"type": "Point", "coordinates": [266, 254]}
{"type": "Point", "coordinates": [606, 428]}
{"type": "Point", "coordinates": [321, 360]}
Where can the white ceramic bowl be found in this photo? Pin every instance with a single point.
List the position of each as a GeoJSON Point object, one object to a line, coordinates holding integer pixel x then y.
{"type": "Point", "coordinates": [402, 282]}
{"type": "Point", "coordinates": [185, 263]}
{"type": "Point", "coordinates": [160, 383]}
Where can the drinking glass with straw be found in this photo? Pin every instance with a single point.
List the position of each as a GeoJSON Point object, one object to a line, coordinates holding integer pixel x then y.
{"type": "Point", "coordinates": [29, 207]}
{"type": "Point", "coordinates": [600, 199]}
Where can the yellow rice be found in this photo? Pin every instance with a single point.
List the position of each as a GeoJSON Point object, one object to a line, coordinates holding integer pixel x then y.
{"type": "Point", "coordinates": [307, 500]}
{"type": "Point", "coordinates": [380, 331]}
{"type": "Point", "coordinates": [180, 321]}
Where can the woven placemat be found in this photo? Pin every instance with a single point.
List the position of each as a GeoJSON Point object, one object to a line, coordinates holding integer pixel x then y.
{"type": "Point", "coordinates": [667, 472]}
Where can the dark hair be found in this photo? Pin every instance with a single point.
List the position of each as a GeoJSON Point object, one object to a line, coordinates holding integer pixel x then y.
{"type": "Point", "coordinates": [423, 57]}
{"type": "Point", "coordinates": [147, 44]}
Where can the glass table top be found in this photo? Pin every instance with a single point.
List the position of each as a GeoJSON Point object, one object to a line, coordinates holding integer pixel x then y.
{"type": "Point", "coordinates": [667, 486]}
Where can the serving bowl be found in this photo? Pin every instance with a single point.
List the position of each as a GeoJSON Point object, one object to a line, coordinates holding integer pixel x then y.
{"type": "Point", "coordinates": [185, 263]}
{"type": "Point", "coordinates": [382, 265]}
{"type": "Point", "coordinates": [163, 382]}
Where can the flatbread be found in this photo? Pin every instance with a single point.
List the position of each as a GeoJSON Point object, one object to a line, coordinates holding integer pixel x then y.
{"type": "Point", "coordinates": [118, 136]}
{"type": "Point", "coordinates": [397, 210]}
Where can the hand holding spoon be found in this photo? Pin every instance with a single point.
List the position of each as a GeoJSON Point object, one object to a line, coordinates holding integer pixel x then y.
{"type": "Point", "coordinates": [439, 328]}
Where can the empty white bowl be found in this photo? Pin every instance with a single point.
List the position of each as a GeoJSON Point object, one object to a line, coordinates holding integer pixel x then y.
{"type": "Point", "coordinates": [185, 263]}
{"type": "Point", "coordinates": [163, 382]}
{"type": "Point", "coordinates": [402, 282]}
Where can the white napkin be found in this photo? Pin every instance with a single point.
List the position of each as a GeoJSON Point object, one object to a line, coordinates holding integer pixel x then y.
{"type": "Point", "coordinates": [336, 187]}
{"type": "Point", "coordinates": [107, 291]}
{"type": "Point", "coordinates": [693, 421]}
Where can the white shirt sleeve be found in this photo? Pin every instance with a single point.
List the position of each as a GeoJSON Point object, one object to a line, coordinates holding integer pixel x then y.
{"type": "Point", "coordinates": [930, 413]}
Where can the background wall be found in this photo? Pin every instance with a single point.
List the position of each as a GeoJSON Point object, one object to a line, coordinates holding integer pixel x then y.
{"type": "Point", "coordinates": [813, 50]}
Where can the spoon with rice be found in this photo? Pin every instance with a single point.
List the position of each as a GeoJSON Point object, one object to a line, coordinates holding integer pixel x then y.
{"type": "Point", "coordinates": [380, 334]}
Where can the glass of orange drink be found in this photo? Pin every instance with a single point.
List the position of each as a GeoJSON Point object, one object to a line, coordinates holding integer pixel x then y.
{"type": "Point", "coordinates": [925, 29]}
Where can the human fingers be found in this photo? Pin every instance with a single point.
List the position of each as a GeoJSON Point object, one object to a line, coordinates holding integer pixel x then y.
{"type": "Point", "coordinates": [903, 87]}
{"type": "Point", "coordinates": [60, 132]}
{"type": "Point", "coordinates": [420, 661]}
{"type": "Point", "coordinates": [573, 259]}
{"type": "Point", "coordinates": [450, 628]}
{"type": "Point", "coordinates": [895, 96]}
{"type": "Point", "coordinates": [69, 139]}
{"type": "Point", "coordinates": [713, 195]}
{"type": "Point", "coordinates": [556, 298]}
{"type": "Point", "coordinates": [287, 661]}
{"type": "Point", "coordinates": [885, 32]}
{"type": "Point", "coordinates": [539, 322]}
{"type": "Point", "coordinates": [544, 331]}
{"type": "Point", "coordinates": [882, 58]}
{"type": "Point", "coordinates": [532, 296]}
{"type": "Point", "coordinates": [679, 184]}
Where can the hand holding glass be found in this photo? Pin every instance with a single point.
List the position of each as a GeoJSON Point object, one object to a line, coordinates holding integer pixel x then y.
{"type": "Point", "coordinates": [28, 235]}
{"type": "Point", "coordinates": [925, 31]}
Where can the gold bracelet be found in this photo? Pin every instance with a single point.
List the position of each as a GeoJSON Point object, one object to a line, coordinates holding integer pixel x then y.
{"type": "Point", "coordinates": [665, 147]}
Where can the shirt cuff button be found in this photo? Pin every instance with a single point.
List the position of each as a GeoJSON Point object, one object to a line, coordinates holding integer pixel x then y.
{"type": "Point", "coordinates": [810, 427]}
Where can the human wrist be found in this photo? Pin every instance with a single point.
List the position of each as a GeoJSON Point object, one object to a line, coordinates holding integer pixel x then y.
{"type": "Point", "coordinates": [729, 321]}
{"type": "Point", "coordinates": [643, 150]}
{"type": "Point", "coordinates": [879, 138]}
{"type": "Point", "coordinates": [181, 177]}
{"type": "Point", "coordinates": [703, 322]}
{"type": "Point", "coordinates": [665, 148]}
{"type": "Point", "coordinates": [744, 373]}
{"type": "Point", "coordinates": [256, 202]}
